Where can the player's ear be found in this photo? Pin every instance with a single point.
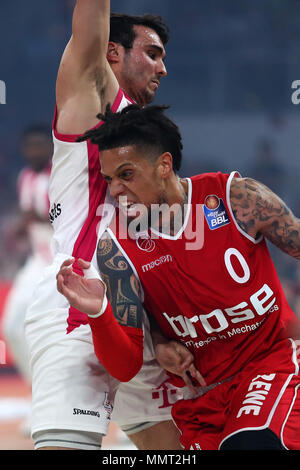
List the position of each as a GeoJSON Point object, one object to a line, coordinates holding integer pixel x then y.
{"type": "Point", "coordinates": [165, 164]}
{"type": "Point", "coordinates": [114, 52]}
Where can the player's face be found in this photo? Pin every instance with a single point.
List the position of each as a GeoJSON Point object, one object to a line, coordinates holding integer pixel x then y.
{"type": "Point", "coordinates": [143, 66]}
{"type": "Point", "coordinates": [134, 182]}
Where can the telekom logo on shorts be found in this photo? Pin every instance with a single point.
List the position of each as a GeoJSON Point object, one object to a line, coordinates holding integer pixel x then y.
{"type": "Point", "coordinates": [164, 393]}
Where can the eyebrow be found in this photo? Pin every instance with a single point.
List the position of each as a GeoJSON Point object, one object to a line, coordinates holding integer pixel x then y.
{"type": "Point", "coordinates": [158, 49]}
{"type": "Point", "coordinates": [117, 170]}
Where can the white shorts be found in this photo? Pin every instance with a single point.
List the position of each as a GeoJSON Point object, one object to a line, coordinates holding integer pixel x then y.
{"type": "Point", "coordinates": [148, 397]}
{"type": "Point", "coordinates": [70, 388]}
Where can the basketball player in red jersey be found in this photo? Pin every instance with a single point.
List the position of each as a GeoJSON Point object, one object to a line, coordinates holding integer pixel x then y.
{"type": "Point", "coordinates": [219, 295]}
{"type": "Point", "coordinates": [113, 60]}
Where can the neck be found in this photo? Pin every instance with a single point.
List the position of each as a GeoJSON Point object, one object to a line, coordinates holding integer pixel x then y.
{"type": "Point", "coordinates": [173, 210]}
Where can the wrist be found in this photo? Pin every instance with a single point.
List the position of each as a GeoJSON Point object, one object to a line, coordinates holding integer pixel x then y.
{"type": "Point", "coordinates": [103, 308]}
{"type": "Point", "coordinates": [92, 273]}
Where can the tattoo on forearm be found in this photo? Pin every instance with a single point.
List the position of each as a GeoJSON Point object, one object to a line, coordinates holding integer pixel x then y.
{"type": "Point", "coordinates": [258, 210]}
{"type": "Point", "coordinates": [286, 236]}
{"type": "Point", "coordinates": [122, 287]}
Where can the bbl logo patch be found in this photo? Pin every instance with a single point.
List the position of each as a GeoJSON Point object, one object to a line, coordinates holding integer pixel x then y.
{"type": "Point", "coordinates": [215, 212]}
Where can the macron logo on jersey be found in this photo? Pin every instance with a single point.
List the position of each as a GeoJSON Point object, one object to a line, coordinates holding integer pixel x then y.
{"type": "Point", "coordinates": [157, 262]}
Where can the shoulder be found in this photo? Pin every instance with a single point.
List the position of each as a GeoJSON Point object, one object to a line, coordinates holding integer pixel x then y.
{"type": "Point", "coordinates": [255, 206]}
{"type": "Point", "coordinates": [217, 178]}
{"type": "Point", "coordinates": [110, 258]}
{"type": "Point", "coordinates": [247, 193]}
{"type": "Point", "coordinates": [217, 183]}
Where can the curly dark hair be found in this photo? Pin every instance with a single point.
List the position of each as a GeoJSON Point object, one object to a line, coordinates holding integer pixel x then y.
{"type": "Point", "coordinates": [122, 28]}
{"type": "Point", "coordinates": [147, 128]}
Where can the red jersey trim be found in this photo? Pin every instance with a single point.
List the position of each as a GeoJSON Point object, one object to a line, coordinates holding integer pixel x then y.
{"type": "Point", "coordinates": [186, 220]}
{"type": "Point", "coordinates": [128, 98]}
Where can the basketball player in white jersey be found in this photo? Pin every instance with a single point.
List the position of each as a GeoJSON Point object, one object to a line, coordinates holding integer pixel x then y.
{"type": "Point", "coordinates": [107, 61]}
{"type": "Point", "coordinates": [33, 223]}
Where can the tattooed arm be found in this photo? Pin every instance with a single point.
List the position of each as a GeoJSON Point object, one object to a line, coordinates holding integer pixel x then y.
{"type": "Point", "coordinates": [259, 211]}
{"type": "Point", "coordinates": [123, 289]}
{"type": "Point", "coordinates": [118, 344]}
{"type": "Point", "coordinates": [124, 295]}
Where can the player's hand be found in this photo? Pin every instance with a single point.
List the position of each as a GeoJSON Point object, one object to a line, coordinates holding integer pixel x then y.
{"type": "Point", "coordinates": [177, 359]}
{"type": "Point", "coordinates": [86, 295]}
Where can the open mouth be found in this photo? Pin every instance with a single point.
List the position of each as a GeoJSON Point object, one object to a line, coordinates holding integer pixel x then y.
{"type": "Point", "coordinates": [130, 208]}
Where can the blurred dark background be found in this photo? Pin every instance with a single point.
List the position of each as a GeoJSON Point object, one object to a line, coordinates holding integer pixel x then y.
{"type": "Point", "coordinates": [231, 64]}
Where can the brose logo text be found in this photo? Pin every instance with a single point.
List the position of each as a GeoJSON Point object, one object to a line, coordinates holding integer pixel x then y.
{"type": "Point", "coordinates": [218, 320]}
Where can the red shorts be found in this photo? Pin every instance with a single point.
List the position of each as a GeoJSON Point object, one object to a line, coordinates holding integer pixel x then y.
{"type": "Point", "coordinates": [266, 394]}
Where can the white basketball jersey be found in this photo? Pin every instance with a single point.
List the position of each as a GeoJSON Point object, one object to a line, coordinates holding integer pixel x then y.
{"type": "Point", "coordinates": [77, 191]}
{"type": "Point", "coordinates": [79, 198]}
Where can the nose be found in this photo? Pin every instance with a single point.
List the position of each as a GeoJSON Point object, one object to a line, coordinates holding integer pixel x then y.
{"type": "Point", "coordinates": [116, 188]}
{"type": "Point", "coordinates": [162, 71]}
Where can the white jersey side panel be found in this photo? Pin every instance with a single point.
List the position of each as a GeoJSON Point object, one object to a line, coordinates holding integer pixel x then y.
{"type": "Point", "coordinates": [68, 193]}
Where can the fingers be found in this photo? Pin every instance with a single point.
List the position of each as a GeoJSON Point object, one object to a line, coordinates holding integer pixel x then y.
{"type": "Point", "coordinates": [189, 375]}
{"type": "Point", "coordinates": [62, 277]}
{"type": "Point", "coordinates": [187, 366]}
{"type": "Point", "coordinates": [197, 376]}
{"type": "Point", "coordinates": [65, 273]}
{"type": "Point", "coordinates": [60, 282]}
{"type": "Point", "coordinates": [187, 379]}
{"type": "Point", "coordinates": [185, 363]}
{"type": "Point", "coordinates": [61, 287]}
{"type": "Point", "coordinates": [64, 289]}
{"type": "Point", "coordinates": [184, 357]}
{"type": "Point", "coordinates": [82, 264]}
{"type": "Point", "coordinates": [68, 262]}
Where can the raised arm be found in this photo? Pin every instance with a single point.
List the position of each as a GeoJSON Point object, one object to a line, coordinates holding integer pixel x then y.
{"type": "Point", "coordinates": [259, 211]}
{"type": "Point", "coordinates": [85, 81]}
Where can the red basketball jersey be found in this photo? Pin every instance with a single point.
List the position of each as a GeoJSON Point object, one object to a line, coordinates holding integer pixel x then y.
{"type": "Point", "coordinates": [211, 286]}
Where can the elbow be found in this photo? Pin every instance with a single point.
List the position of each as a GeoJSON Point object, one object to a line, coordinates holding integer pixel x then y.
{"type": "Point", "coordinates": [125, 374]}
